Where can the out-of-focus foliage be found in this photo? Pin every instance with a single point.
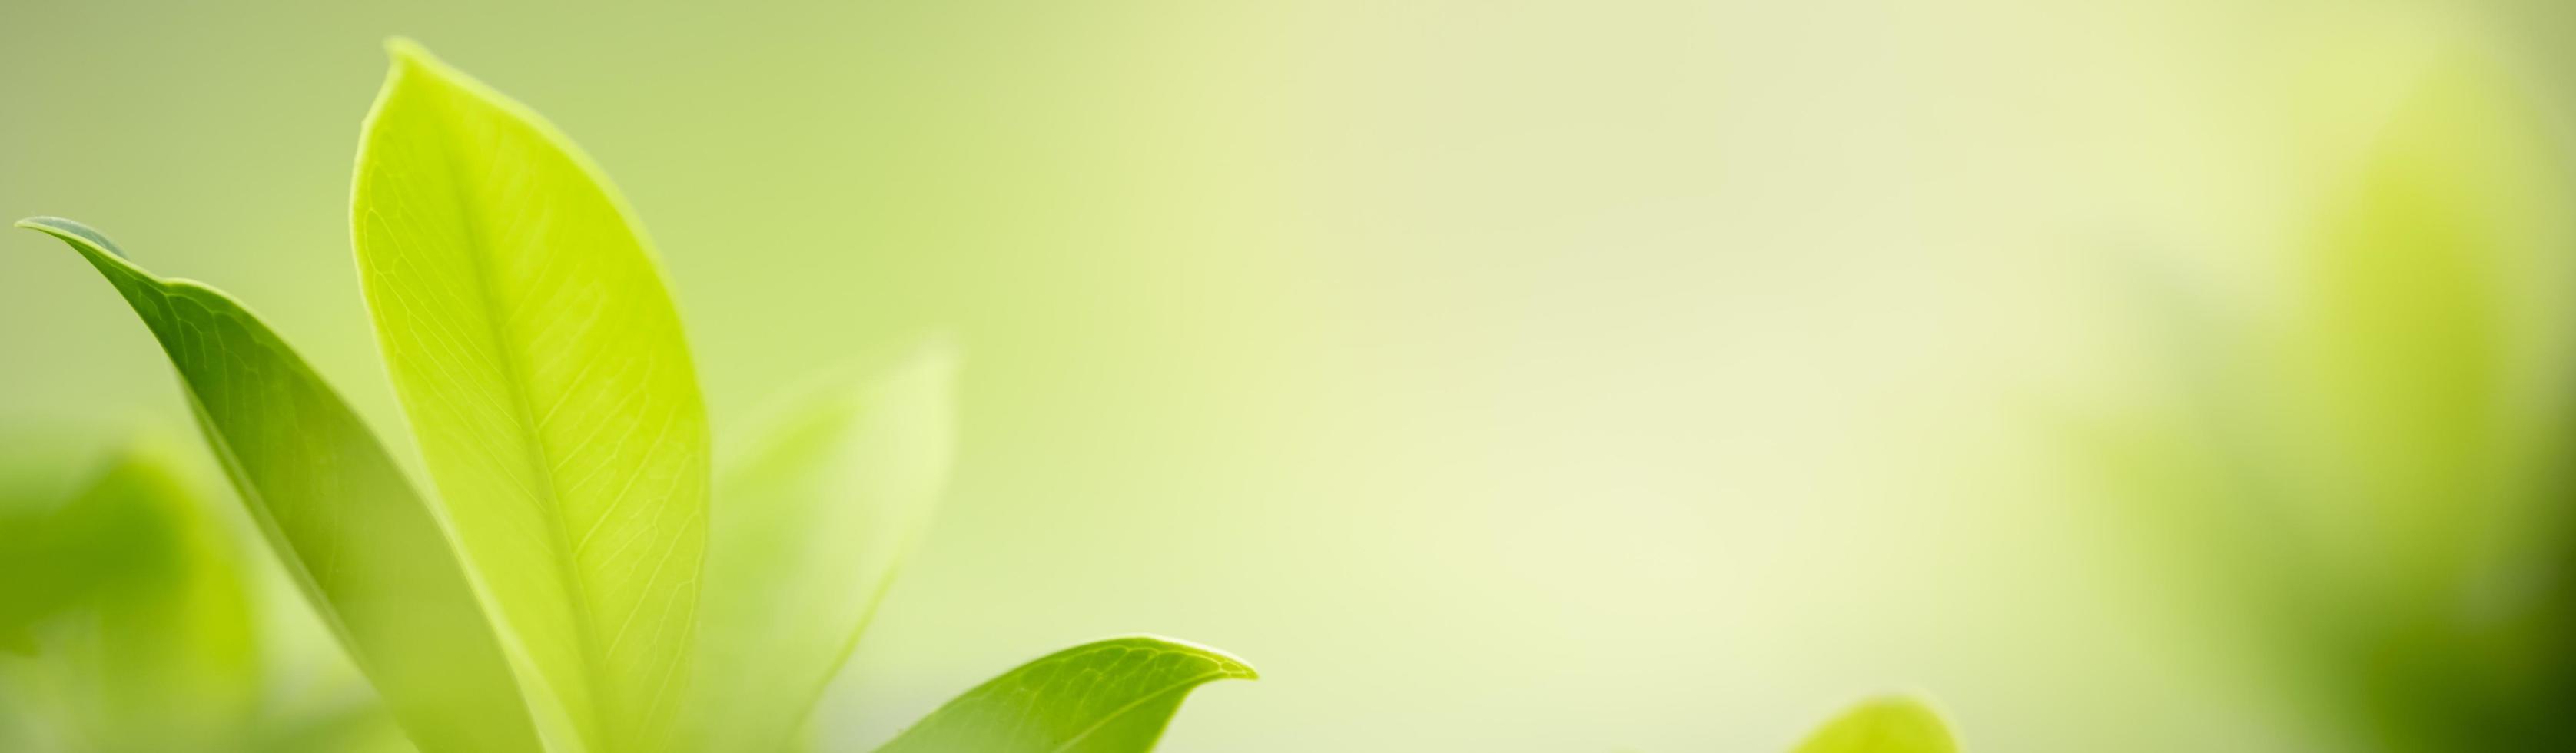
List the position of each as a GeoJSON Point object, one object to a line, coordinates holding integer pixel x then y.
{"type": "Point", "coordinates": [131, 605]}
{"type": "Point", "coordinates": [133, 622]}
{"type": "Point", "coordinates": [1883, 725]}
{"type": "Point", "coordinates": [823, 503]}
{"type": "Point", "coordinates": [2379, 477]}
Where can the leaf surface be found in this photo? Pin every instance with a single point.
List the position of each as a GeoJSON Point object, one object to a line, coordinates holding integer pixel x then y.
{"type": "Point", "coordinates": [811, 522]}
{"type": "Point", "coordinates": [538, 356]}
{"type": "Point", "coordinates": [1883, 725]}
{"type": "Point", "coordinates": [1112, 696]}
{"type": "Point", "coordinates": [364, 547]}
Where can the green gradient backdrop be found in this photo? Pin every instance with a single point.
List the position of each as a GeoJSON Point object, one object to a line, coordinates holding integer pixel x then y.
{"type": "Point", "coordinates": [1495, 376]}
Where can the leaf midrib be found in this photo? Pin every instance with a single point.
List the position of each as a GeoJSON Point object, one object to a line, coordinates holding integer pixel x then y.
{"type": "Point", "coordinates": [514, 382]}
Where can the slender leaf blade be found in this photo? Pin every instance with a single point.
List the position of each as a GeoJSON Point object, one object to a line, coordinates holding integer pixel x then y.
{"type": "Point", "coordinates": [365, 548]}
{"type": "Point", "coordinates": [537, 354]}
{"type": "Point", "coordinates": [813, 518]}
{"type": "Point", "coordinates": [1112, 696]}
{"type": "Point", "coordinates": [1884, 725]}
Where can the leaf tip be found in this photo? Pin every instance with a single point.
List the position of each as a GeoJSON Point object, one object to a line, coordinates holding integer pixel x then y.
{"type": "Point", "coordinates": [72, 232]}
{"type": "Point", "coordinates": [936, 355]}
{"type": "Point", "coordinates": [45, 223]}
{"type": "Point", "coordinates": [405, 51]}
{"type": "Point", "coordinates": [1228, 666]}
{"type": "Point", "coordinates": [410, 57]}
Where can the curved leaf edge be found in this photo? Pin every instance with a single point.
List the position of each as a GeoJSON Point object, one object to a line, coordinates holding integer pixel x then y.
{"type": "Point", "coordinates": [410, 58]}
{"type": "Point", "coordinates": [112, 261]}
{"type": "Point", "coordinates": [1228, 667]}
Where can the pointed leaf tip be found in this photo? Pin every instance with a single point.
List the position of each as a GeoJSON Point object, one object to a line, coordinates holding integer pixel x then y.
{"type": "Point", "coordinates": [72, 231]}
{"type": "Point", "coordinates": [1232, 667]}
{"type": "Point", "coordinates": [346, 523]}
{"type": "Point", "coordinates": [403, 49]}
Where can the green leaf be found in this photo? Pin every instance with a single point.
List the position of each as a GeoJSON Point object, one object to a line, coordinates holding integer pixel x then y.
{"type": "Point", "coordinates": [2426, 387]}
{"type": "Point", "coordinates": [65, 547]}
{"type": "Point", "coordinates": [367, 551]}
{"type": "Point", "coordinates": [542, 366]}
{"type": "Point", "coordinates": [1883, 725]}
{"type": "Point", "coordinates": [1113, 696]}
{"type": "Point", "coordinates": [158, 655]}
{"type": "Point", "coordinates": [175, 653]}
{"type": "Point", "coordinates": [814, 518]}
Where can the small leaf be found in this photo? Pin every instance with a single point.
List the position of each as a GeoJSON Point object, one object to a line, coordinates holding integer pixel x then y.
{"type": "Point", "coordinates": [542, 366]}
{"type": "Point", "coordinates": [364, 547]}
{"type": "Point", "coordinates": [1112, 696]}
{"type": "Point", "coordinates": [812, 520]}
{"type": "Point", "coordinates": [1883, 725]}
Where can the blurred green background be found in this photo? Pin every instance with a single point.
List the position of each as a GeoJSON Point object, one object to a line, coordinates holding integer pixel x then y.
{"type": "Point", "coordinates": [1501, 376]}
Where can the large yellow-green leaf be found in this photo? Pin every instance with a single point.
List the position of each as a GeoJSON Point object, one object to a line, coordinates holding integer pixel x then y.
{"type": "Point", "coordinates": [812, 519]}
{"type": "Point", "coordinates": [1112, 696]}
{"type": "Point", "coordinates": [366, 549]}
{"type": "Point", "coordinates": [537, 354]}
{"type": "Point", "coordinates": [1883, 725]}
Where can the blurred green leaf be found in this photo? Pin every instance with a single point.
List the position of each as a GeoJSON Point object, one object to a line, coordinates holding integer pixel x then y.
{"type": "Point", "coordinates": [2430, 424]}
{"type": "Point", "coordinates": [157, 654]}
{"type": "Point", "coordinates": [543, 368]}
{"type": "Point", "coordinates": [1883, 725]}
{"type": "Point", "coordinates": [61, 549]}
{"type": "Point", "coordinates": [2379, 479]}
{"type": "Point", "coordinates": [814, 517]}
{"type": "Point", "coordinates": [176, 652]}
{"type": "Point", "coordinates": [1112, 696]}
{"type": "Point", "coordinates": [364, 547]}
{"type": "Point", "coordinates": [2418, 347]}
